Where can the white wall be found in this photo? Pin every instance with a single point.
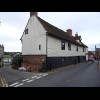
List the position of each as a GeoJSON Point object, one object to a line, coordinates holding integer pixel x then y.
{"type": "Point", "coordinates": [86, 54]}
{"type": "Point", "coordinates": [54, 49]}
{"type": "Point", "coordinates": [35, 37]}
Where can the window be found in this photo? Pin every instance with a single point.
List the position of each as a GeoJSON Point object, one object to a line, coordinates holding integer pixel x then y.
{"type": "Point", "coordinates": [83, 49]}
{"type": "Point", "coordinates": [26, 31]}
{"type": "Point", "coordinates": [69, 46]}
{"type": "Point", "coordinates": [63, 60]}
{"type": "Point", "coordinates": [39, 47]}
{"type": "Point", "coordinates": [77, 48]}
{"type": "Point", "coordinates": [62, 45]}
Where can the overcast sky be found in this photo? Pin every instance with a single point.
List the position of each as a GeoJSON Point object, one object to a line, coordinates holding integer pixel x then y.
{"type": "Point", "coordinates": [87, 24]}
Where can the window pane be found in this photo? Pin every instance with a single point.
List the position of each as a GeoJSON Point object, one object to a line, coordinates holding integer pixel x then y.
{"type": "Point", "coordinates": [62, 45]}
{"type": "Point", "coordinates": [26, 31]}
{"type": "Point", "coordinates": [76, 48]}
{"type": "Point", "coordinates": [39, 47]}
{"type": "Point", "coordinates": [83, 49]}
{"type": "Point", "coordinates": [69, 46]}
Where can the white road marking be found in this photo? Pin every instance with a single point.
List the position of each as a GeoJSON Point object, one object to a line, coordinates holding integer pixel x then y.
{"type": "Point", "coordinates": [39, 77]}
{"type": "Point", "coordinates": [45, 75]}
{"type": "Point", "coordinates": [14, 84]}
{"type": "Point", "coordinates": [19, 85]}
{"type": "Point", "coordinates": [25, 80]}
{"type": "Point", "coordinates": [34, 76]}
{"type": "Point", "coordinates": [40, 74]}
{"type": "Point", "coordinates": [30, 80]}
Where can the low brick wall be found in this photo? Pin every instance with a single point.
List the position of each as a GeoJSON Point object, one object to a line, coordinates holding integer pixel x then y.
{"type": "Point", "coordinates": [35, 62]}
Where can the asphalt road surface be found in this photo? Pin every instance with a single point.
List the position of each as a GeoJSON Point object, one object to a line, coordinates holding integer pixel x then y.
{"type": "Point", "coordinates": [87, 75]}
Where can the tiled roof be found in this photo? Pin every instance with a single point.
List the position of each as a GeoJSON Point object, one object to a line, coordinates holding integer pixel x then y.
{"type": "Point", "coordinates": [58, 32]}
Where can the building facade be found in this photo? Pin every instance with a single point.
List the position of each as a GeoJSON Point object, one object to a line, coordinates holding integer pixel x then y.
{"type": "Point", "coordinates": [44, 45]}
{"type": "Point", "coordinates": [97, 53]}
{"type": "Point", "coordinates": [91, 54]}
{"type": "Point", "coordinates": [1, 55]}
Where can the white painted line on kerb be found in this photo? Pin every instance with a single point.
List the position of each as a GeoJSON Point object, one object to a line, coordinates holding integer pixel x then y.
{"type": "Point", "coordinates": [30, 80]}
{"type": "Point", "coordinates": [14, 84]}
{"type": "Point", "coordinates": [19, 85]}
{"type": "Point", "coordinates": [25, 80]}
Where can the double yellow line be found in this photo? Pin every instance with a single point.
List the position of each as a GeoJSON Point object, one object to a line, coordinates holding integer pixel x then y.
{"type": "Point", "coordinates": [3, 82]}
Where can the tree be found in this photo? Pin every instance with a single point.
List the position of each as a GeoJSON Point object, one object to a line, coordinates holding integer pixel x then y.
{"type": "Point", "coordinates": [17, 60]}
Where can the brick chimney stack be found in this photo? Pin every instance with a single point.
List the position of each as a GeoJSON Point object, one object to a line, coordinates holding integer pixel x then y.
{"type": "Point", "coordinates": [69, 31]}
{"type": "Point", "coordinates": [33, 13]}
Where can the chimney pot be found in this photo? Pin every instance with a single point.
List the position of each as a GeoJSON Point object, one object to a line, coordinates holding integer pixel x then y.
{"type": "Point", "coordinates": [76, 35]}
{"type": "Point", "coordinates": [33, 13]}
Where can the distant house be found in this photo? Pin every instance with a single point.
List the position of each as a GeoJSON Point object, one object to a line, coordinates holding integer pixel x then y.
{"type": "Point", "coordinates": [97, 51]}
{"type": "Point", "coordinates": [91, 54]}
{"type": "Point", "coordinates": [44, 45]}
{"type": "Point", "coordinates": [1, 54]}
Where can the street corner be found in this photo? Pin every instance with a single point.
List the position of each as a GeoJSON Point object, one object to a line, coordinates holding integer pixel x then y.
{"type": "Point", "coordinates": [3, 82]}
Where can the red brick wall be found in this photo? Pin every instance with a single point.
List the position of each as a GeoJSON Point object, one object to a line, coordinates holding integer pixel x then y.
{"type": "Point", "coordinates": [89, 56]}
{"type": "Point", "coordinates": [35, 62]}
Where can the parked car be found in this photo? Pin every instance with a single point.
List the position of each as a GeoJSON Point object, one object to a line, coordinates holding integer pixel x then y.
{"type": "Point", "coordinates": [6, 60]}
{"type": "Point", "coordinates": [22, 69]}
{"type": "Point", "coordinates": [91, 59]}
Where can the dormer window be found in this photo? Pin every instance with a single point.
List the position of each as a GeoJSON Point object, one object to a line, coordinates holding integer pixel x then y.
{"type": "Point", "coordinates": [26, 31]}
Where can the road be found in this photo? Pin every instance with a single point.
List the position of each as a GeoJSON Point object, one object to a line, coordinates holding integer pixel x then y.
{"type": "Point", "coordinates": [87, 75]}
{"type": "Point", "coordinates": [16, 78]}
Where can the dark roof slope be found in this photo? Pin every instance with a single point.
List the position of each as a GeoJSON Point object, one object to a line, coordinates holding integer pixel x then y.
{"type": "Point", "coordinates": [58, 32]}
